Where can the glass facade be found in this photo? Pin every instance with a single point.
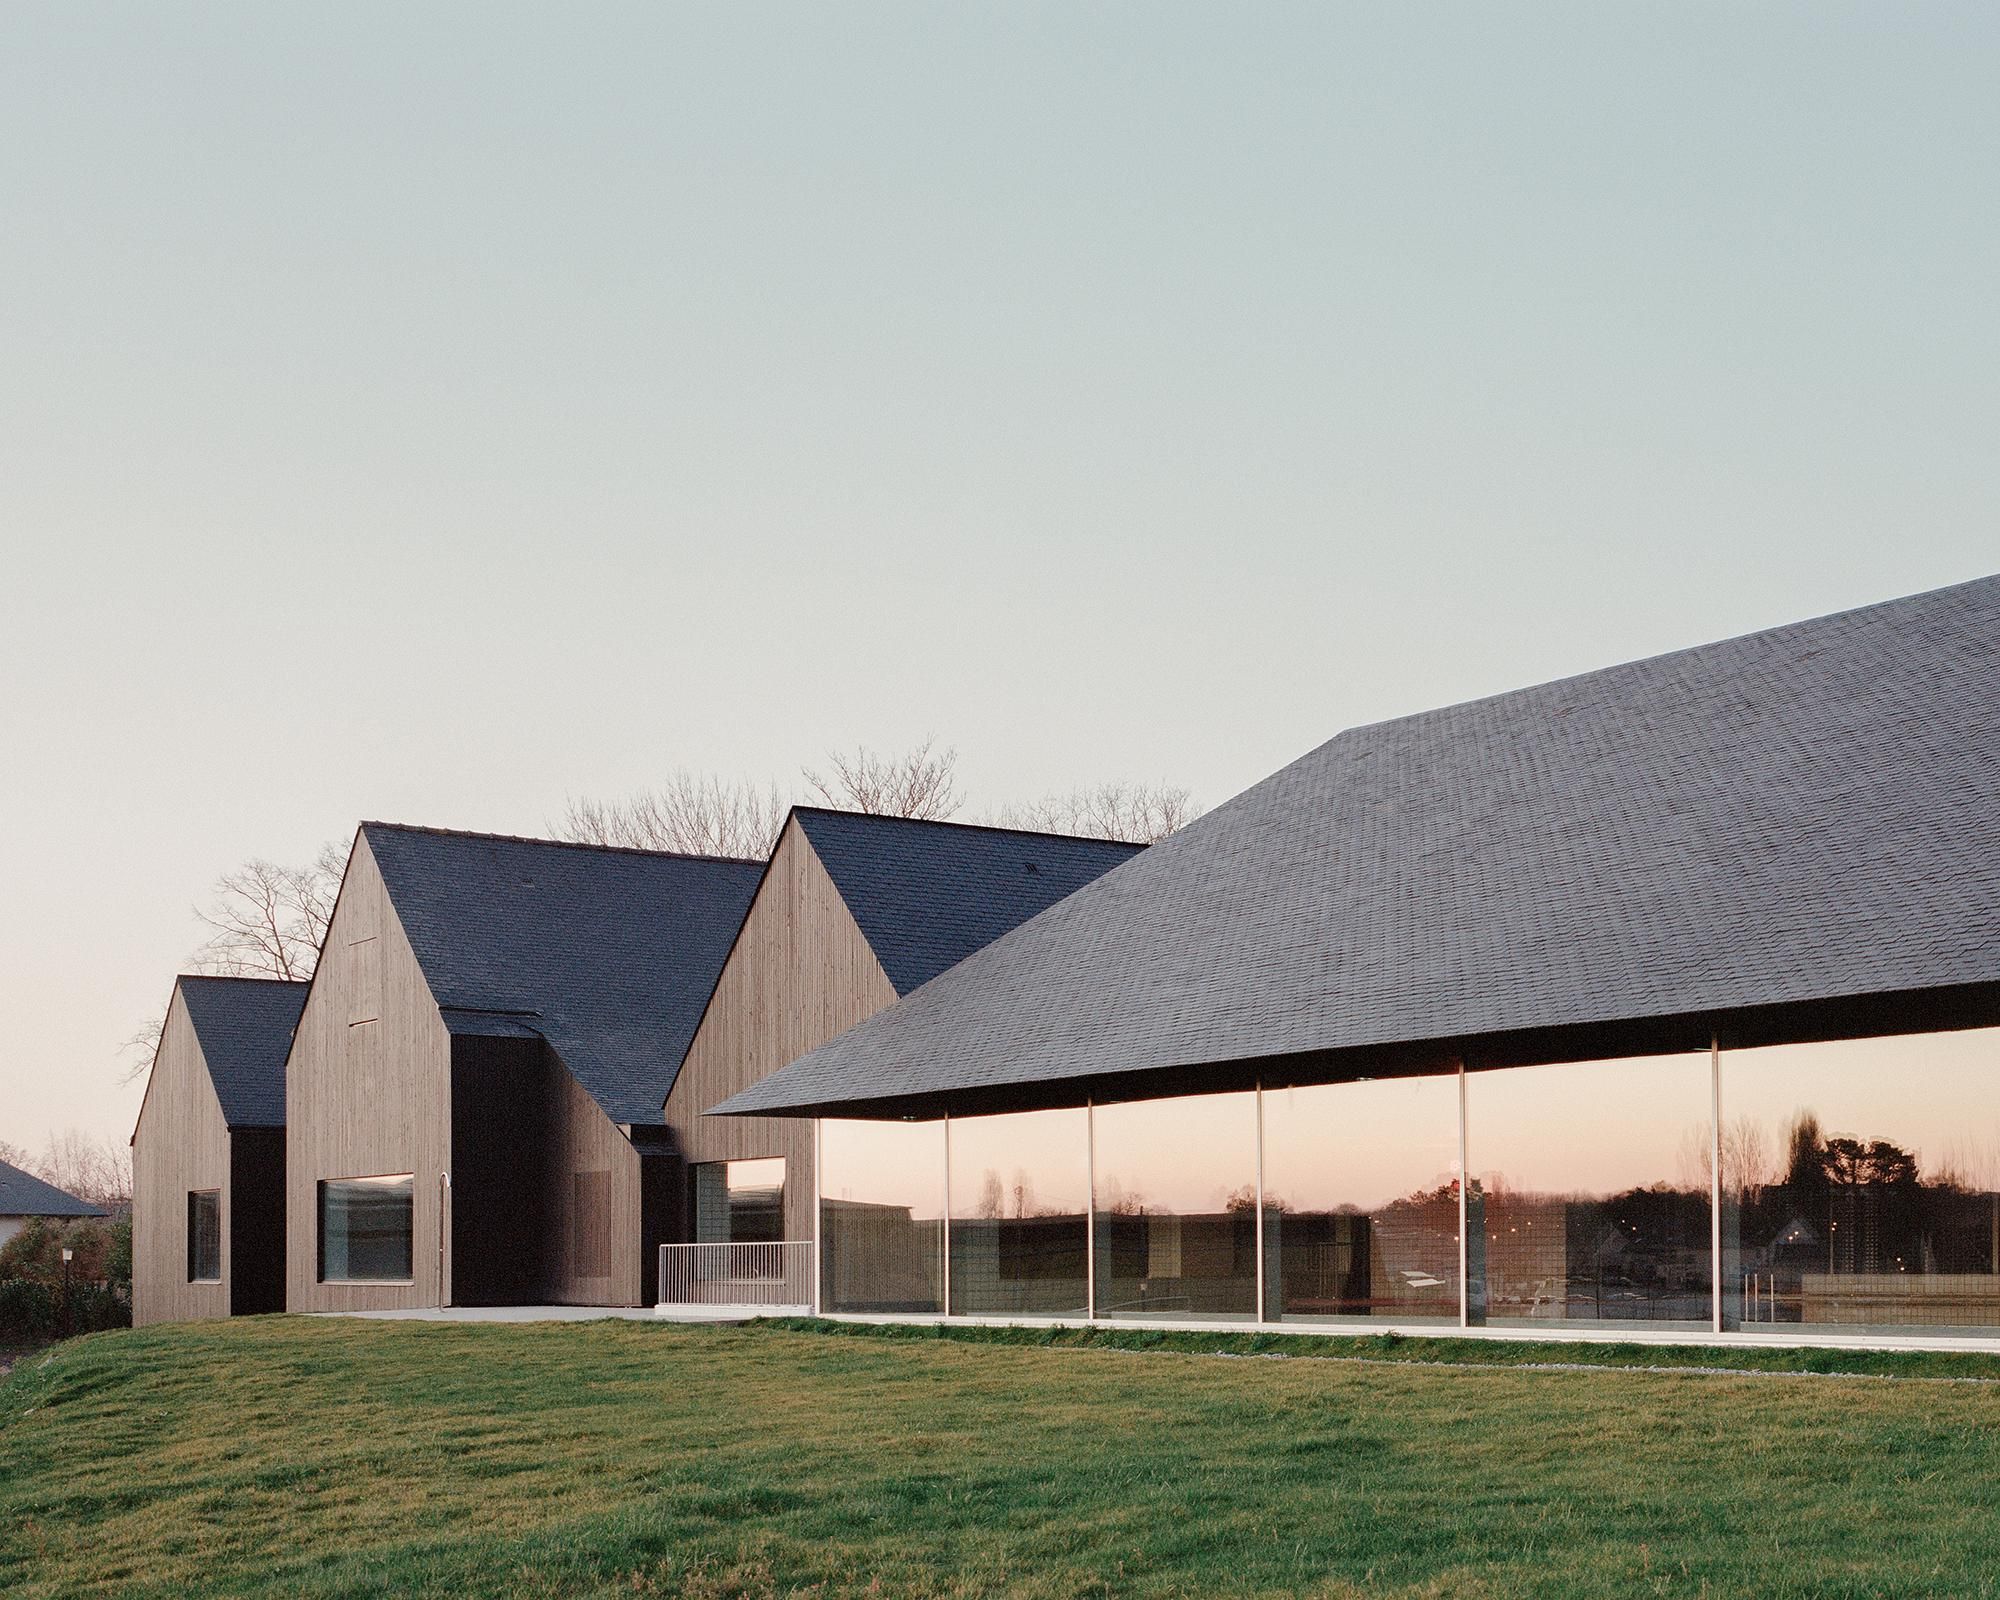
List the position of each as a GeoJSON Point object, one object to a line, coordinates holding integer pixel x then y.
{"type": "Point", "coordinates": [1020, 1214]}
{"type": "Point", "coordinates": [1176, 1207]}
{"type": "Point", "coordinates": [1590, 1193]}
{"type": "Point", "coordinates": [881, 1216]}
{"type": "Point", "coordinates": [1860, 1187]}
{"type": "Point", "coordinates": [1862, 1183]}
{"type": "Point", "coordinates": [365, 1229]}
{"type": "Point", "coordinates": [1361, 1201]}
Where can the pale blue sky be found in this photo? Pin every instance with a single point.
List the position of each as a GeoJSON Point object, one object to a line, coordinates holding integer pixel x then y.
{"type": "Point", "coordinates": [430, 413]}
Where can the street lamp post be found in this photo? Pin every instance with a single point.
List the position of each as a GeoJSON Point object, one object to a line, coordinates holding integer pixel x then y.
{"type": "Point", "coordinates": [68, 1322]}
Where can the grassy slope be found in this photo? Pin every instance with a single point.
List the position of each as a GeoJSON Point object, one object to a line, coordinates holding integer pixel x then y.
{"type": "Point", "coordinates": [349, 1458]}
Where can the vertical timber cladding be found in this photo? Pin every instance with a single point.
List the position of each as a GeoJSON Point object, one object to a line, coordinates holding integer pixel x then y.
{"type": "Point", "coordinates": [593, 1204]}
{"type": "Point", "coordinates": [800, 973]}
{"type": "Point", "coordinates": [367, 1093]}
{"type": "Point", "coordinates": [181, 1143]}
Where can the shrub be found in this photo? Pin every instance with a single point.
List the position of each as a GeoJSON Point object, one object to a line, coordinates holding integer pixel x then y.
{"type": "Point", "coordinates": [27, 1310]}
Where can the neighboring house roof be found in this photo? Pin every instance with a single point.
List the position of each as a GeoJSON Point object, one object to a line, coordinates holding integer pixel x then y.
{"type": "Point", "coordinates": [1801, 814]}
{"type": "Point", "coordinates": [22, 1194]}
{"type": "Point", "coordinates": [608, 954]}
{"type": "Point", "coordinates": [925, 895]}
{"type": "Point", "coordinates": [245, 1027]}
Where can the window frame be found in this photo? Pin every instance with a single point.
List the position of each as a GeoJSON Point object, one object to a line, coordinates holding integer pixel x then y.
{"type": "Point", "coordinates": [195, 1238]}
{"type": "Point", "coordinates": [319, 1229]}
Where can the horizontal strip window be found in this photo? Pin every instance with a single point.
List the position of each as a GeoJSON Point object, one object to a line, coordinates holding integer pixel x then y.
{"type": "Point", "coordinates": [366, 1229]}
{"type": "Point", "coordinates": [1849, 1187]}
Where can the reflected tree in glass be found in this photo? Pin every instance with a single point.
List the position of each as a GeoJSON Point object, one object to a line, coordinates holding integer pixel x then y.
{"type": "Point", "coordinates": [1590, 1198]}
{"type": "Point", "coordinates": [1175, 1209]}
{"type": "Point", "coordinates": [1867, 1194]}
{"type": "Point", "coordinates": [1361, 1201]}
{"type": "Point", "coordinates": [1020, 1207]}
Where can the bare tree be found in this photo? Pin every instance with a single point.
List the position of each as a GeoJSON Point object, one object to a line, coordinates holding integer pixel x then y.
{"type": "Point", "coordinates": [922, 784]}
{"type": "Point", "coordinates": [690, 813]}
{"type": "Point", "coordinates": [269, 921]}
{"type": "Point", "coordinates": [95, 1169]}
{"type": "Point", "coordinates": [15, 1156]}
{"type": "Point", "coordinates": [1139, 813]}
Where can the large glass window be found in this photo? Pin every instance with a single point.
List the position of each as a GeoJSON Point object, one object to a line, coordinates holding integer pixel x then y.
{"type": "Point", "coordinates": [1590, 1193]}
{"type": "Point", "coordinates": [739, 1202]}
{"type": "Point", "coordinates": [1020, 1210]}
{"type": "Point", "coordinates": [365, 1229]}
{"type": "Point", "coordinates": [881, 1216]}
{"type": "Point", "coordinates": [1863, 1181]}
{"type": "Point", "coordinates": [204, 1235]}
{"type": "Point", "coordinates": [1361, 1201]}
{"type": "Point", "coordinates": [1175, 1207]}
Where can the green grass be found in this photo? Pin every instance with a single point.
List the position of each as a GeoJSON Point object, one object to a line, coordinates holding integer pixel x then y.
{"type": "Point", "coordinates": [325, 1458]}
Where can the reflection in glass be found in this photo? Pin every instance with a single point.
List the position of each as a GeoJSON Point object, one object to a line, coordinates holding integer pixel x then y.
{"type": "Point", "coordinates": [1020, 1207]}
{"type": "Point", "coordinates": [1863, 1183]}
{"type": "Point", "coordinates": [1590, 1192]}
{"type": "Point", "coordinates": [365, 1229]}
{"type": "Point", "coordinates": [881, 1216]}
{"type": "Point", "coordinates": [1176, 1207]}
{"type": "Point", "coordinates": [739, 1202]}
{"type": "Point", "coordinates": [1361, 1201]}
{"type": "Point", "coordinates": [204, 1235]}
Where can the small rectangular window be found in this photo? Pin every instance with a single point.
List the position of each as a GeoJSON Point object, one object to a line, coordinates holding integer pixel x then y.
{"type": "Point", "coordinates": [739, 1202]}
{"type": "Point", "coordinates": [365, 1229]}
{"type": "Point", "coordinates": [204, 1235]}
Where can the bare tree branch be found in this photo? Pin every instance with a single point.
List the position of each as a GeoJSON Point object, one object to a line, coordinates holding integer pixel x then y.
{"type": "Point", "coordinates": [269, 921]}
{"type": "Point", "coordinates": [142, 1048]}
{"type": "Point", "coordinates": [690, 813]}
{"type": "Point", "coordinates": [1138, 813]}
{"type": "Point", "coordinates": [94, 1169]}
{"type": "Point", "coordinates": [922, 784]}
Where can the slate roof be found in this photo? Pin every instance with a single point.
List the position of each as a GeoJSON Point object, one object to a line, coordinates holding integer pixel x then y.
{"type": "Point", "coordinates": [1800, 814]}
{"type": "Point", "coordinates": [609, 954]}
{"type": "Point", "coordinates": [925, 895]}
{"type": "Point", "coordinates": [22, 1194]}
{"type": "Point", "coordinates": [244, 1026]}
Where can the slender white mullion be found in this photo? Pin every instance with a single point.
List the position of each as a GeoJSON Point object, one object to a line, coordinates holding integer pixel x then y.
{"type": "Point", "coordinates": [1464, 1212]}
{"type": "Point", "coordinates": [817, 1186]}
{"type": "Point", "coordinates": [1715, 1175]}
{"type": "Point", "coordinates": [1260, 1199]}
{"type": "Point", "coordinates": [1090, 1210]}
{"type": "Point", "coordinates": [947, 1213]}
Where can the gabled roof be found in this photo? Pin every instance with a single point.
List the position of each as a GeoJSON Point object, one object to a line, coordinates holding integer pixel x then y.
{"type": "Point", "coordinates": [245, 1026]}
{"type": "Point", "coordinates": [22, 1194]}
{"type": "Point", "coordinates": [1796, 815]}
{"type": "Point", "coordinates": [925, 895]}
{"type": "Point", "coordinates": [609, 954]}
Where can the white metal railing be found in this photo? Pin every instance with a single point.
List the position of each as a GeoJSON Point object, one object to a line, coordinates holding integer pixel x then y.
{"type": "Point", "coordinates": [732, 1276]}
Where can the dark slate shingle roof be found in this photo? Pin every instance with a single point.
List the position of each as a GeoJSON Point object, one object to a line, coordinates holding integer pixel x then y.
{"type": "Point", "coordinates": [1795, 815]}
{"type": "Point", "coordinates": [608, 954]}
{"type": "Point", "coordinates": [245, 1029]}
{"type": "Point", "coordinates": [927, 894]}
{"type": "Point", "coordinates": [24, 1195]}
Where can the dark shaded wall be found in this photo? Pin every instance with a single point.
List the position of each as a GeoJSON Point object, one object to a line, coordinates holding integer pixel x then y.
{"type": "Point", "coordinates": [500, 1245]}
{"type": "Point", "coordinates": [256, 1221]}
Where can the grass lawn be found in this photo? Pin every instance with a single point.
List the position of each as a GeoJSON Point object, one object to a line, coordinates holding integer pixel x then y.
{"type": "Point", "coordinates": [355, 1458]}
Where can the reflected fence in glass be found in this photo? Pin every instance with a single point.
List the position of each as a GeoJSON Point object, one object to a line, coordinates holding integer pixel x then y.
{"type": "Point", "coordinates": [881, 1216]}
{"type": "Point", "coordinates": [1590, 1196]}
{"type": "Point", "coordinates": [1360, 1200]}
{"type": "Point", "coordinates": [1862, 1184]}
{"type": "Point", "coordinates": [1020, 1213]}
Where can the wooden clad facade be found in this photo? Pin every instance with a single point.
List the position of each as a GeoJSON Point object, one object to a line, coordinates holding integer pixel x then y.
{"type": "Point", "coordinates": [368, 1094]}
{"type": "Point", "coordinates": [180, 1144]}
{"type": "Point", "coordinates": [800, 973]}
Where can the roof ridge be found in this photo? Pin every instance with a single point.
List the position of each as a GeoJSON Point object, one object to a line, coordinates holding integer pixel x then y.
{"type": "Point", "coordinates": [561, 844]}
{"type": "Point", "coordinates": [238, 977]}
{"type": "Point", "coordinates": [1647, 661]}
{"type": "Point", "coordinates": [975, 827]}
